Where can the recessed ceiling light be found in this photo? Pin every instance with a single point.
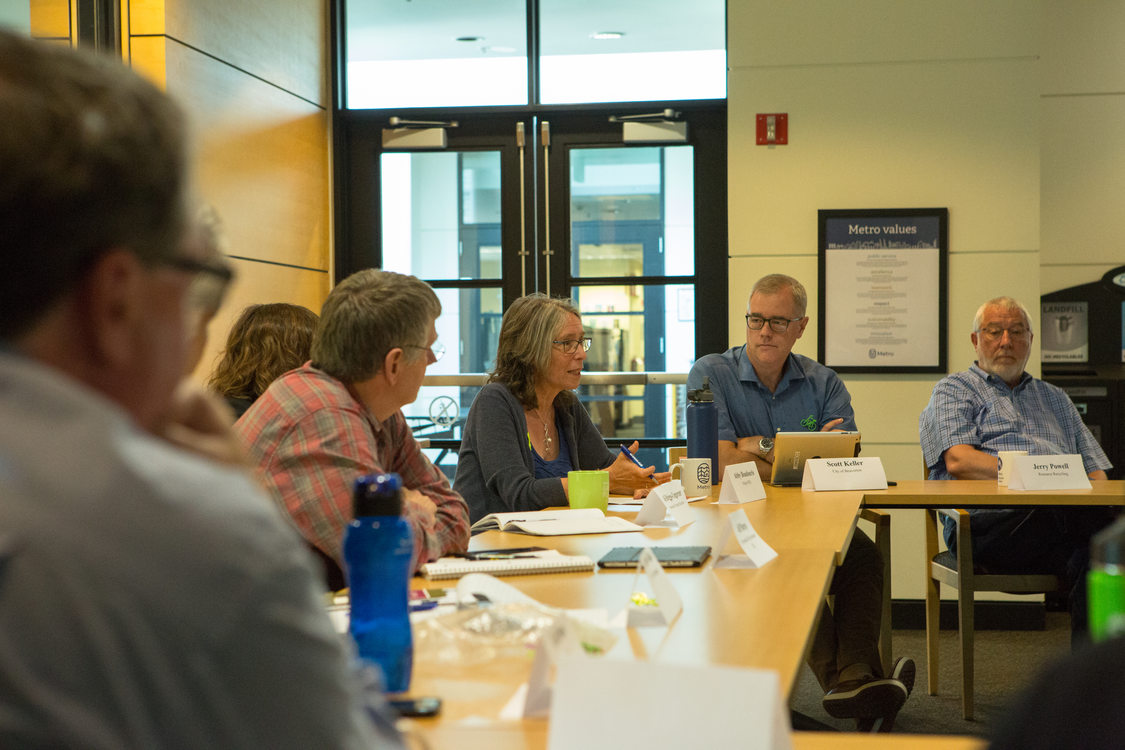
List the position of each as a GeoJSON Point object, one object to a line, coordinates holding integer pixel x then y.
{"type": "Point", "coordinates": [607, 35]}
{"type": "Point", "coordinates": [469, 39]}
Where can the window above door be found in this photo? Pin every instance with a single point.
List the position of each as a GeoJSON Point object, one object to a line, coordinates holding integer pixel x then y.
{"type": "Point", "coordinates": [449, 53]}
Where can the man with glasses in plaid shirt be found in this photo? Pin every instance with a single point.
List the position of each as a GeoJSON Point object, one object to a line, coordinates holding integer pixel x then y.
{"type": "Point", "coordinates": [319, 427]}
{"type": "Point", "coordinates": [761, 388]}
{"type": "Point", "coordinates": [996, 406]}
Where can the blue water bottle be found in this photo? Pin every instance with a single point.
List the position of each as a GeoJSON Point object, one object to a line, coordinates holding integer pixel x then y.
{"type": "Point", "coordinates": [378, 546]}
{"type": "Point", "coordinates": [703, 427]}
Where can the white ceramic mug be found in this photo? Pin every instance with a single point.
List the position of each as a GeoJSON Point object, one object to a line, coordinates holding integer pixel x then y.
{"type": "Point", "coordinates": [695, 475]}
{"type": "Point", "coordinates": [1004, 465]}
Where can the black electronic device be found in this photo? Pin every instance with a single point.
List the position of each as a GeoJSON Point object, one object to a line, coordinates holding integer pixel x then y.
{"type": "Point", "coordinates": [669, 557]}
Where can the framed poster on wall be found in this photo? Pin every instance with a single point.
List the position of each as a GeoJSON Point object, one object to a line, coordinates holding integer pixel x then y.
{"type": "Point", "coordinates": [882, 282]}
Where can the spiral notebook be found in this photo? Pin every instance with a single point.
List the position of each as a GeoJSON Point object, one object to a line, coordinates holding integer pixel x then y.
{"type": "Point", "coordinates": [546, 561]}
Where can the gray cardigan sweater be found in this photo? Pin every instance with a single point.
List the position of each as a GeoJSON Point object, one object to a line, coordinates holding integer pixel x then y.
{"type": "Point", "coordinates": [496, 467]}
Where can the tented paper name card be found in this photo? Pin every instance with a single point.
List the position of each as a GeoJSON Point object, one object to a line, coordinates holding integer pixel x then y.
{"type": "Point", "coordinates": [844, 474]}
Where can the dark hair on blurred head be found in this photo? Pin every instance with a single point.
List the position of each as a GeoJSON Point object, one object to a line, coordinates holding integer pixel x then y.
{"type": "Point", "coordinates": [91, 158]}
{"type": "Point", "coordinates": [265, 342]}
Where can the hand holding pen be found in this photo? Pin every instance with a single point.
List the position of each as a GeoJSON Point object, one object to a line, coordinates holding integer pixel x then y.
{"type": "Point", "coordinates": [647, 471]}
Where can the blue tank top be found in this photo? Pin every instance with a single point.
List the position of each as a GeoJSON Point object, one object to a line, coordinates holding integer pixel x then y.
{"type": "Point", "coordinates": [560, 466]}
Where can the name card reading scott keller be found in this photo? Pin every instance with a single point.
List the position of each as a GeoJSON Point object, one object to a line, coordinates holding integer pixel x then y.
{"type": "Point", "coordinates": [844, 474]}
{"type": "Point", "coordinates": [667, 498]}
{"type": "Point", "coordinates": [755, 552]}
{"type": "Point", "coordinates": [742, 484]}
{"type": "Point", "coordinates": [1066, 472]}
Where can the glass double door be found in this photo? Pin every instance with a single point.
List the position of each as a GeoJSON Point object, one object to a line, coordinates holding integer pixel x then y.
{"type": "Point", "coordinates": [561, 205]}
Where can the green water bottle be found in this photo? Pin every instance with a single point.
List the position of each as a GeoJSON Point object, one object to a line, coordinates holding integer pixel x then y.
{"type": "Point", "coordinates": [1106, 582]}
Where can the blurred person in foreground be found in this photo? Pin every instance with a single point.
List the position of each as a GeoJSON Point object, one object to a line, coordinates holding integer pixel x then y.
{"type": "Point", "coordinates": [265, 342]}
{"type": "Point", "coordinates": [149, 596]}
{"type": "Point", "coordinates": [319, 427]}
{"type": "Point", "coordinates": [526, 429]}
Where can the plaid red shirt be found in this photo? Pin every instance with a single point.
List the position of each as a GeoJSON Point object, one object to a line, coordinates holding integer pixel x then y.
{"type": "Point", "coordinates": [310, 438]}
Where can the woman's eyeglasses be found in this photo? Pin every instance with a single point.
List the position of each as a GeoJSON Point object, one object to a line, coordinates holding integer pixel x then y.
{"type": "Point", "coordinates": [570, 346]}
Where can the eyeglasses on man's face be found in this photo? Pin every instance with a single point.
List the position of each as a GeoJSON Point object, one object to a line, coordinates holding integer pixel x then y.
{"type": "Point", "coordinates": [570, 346]}
{"type": "Point", "coordinates": [777, 325]}
{"type": "Point", "coordinates": [436, 349]}
{"type": "Point", "coordinates": [209, 287]}
{"type": "Point", "coordinates": [995, 333]}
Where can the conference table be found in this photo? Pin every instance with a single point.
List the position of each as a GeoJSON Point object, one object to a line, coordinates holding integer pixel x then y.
{"type": "Point", "coordinates": [760, 618]}
{"type": "Point", "coordinates": [980, 493]}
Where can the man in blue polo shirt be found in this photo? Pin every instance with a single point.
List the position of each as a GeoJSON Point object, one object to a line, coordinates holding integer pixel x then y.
{"type": "Point", "coordinates": [761, 388]}
{"type": "Point", "coordinates": [995, 406]}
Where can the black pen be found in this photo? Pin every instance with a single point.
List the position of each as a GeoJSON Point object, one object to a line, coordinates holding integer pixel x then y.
{"type": "Point", "coordinates": [486, 554]}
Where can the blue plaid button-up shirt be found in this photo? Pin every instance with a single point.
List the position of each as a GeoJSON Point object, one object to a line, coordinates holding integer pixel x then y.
{"type": "Point", "coordinates": [979, 409]}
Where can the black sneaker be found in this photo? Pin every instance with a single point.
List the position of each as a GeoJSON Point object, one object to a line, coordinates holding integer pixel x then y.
{"type": "Point", "coordinates": [904, 671]}
{"type": "Point", "coordinates": [865, 699]}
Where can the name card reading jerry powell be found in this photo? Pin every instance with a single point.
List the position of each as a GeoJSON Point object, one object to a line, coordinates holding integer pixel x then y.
{"type": "Point", "coordinates": [1065, 472]}
{"type": "Point", "coordinates": [741, 484]}
{"type": "Point", "coordinates": [844, 474]}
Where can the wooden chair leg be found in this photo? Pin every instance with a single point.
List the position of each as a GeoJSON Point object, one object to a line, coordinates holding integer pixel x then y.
{"type": "Point", "coordinates": [965, 614]}
{"type": "Point", "coordinates": [933, 632]}
{"type": "Point", "coordinates": [933, 603]}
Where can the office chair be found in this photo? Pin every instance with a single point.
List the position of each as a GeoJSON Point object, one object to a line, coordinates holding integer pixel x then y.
{"type": "Point", "coordinates": [957, 570]}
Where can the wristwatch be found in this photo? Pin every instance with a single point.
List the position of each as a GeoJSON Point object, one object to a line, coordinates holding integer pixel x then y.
{"type": "Point", "coordinates": [765, 445]}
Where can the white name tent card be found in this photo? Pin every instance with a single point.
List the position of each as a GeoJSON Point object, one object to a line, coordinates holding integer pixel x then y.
{"type": "Point", "coordinates": [667, 600]}
{"type": "Point", "coordinates": [668, 498]}
{"type": "Point", "coordinates": [659, 705]}
{"type": "Point", "coordinates": [742, 484]}
{"type": "Point", "coordinates": [1065, 472]}
{"type": "Point", "coordinates": [844, 474]}
{"type": "Point", "coordinates": [755, 551]}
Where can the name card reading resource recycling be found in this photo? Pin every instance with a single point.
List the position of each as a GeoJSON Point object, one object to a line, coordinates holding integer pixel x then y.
{"type": "Point", "coordinates": [742, 484]}
{"type": "Point", "coordinates": [755, 552]}
{"type": "Point", "coordinates": [844, 474]}
{"type": "Point", "coordinates": [660, 705]}
{"type": "Point", "coordinates": [664, 604]}
{"type": "Point", "coordinates": [1065, 472]}
{"type": "Point", "coordinates": [668, 498]}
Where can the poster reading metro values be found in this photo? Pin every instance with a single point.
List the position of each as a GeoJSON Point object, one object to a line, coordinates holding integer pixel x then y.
{"type": "Point", "coordinates": [882, 291]}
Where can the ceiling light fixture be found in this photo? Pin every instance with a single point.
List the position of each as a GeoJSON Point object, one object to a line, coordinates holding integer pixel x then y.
{"type": "Point", "coordinates": [607, 35]}
{"type": "Point", "coordinates": [469, 39]}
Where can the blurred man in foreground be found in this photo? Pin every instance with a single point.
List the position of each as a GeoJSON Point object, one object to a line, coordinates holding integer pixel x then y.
{"type": "Point", "coordinates": [149, 596]}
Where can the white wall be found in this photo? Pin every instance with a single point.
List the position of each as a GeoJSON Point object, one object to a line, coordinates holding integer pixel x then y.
{"type": "Point", "coordinates": [890, 104]}
{"type": "Point", "coordinates": [1082, 109]}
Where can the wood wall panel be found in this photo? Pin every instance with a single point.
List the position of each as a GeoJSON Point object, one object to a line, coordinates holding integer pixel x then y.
{"type": "Point", "coordinates": [50, 19]}
{"type": "Point", "coordinates": [260, 283]}
{"type": "Point", "coordinates": [281, 41]}
{"type": "Point", "coordinates": [146, 56]}
{"type": "Point", "coordinates": [143, 17]}
{"type": "Point", "coordinates": [262, 156]}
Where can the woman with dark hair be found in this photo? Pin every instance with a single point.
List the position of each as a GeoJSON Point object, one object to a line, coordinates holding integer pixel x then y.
{"type": "Point", "coordinates": [265, 342]}
{"type": "Point", "coordinates": [526, 428]}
